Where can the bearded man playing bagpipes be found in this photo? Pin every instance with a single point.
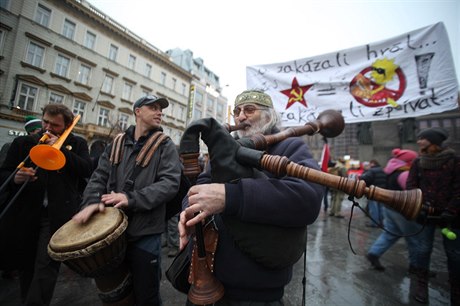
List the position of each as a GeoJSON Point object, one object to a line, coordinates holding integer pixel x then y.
{"type": "Point", "coordinates": [261, 219]}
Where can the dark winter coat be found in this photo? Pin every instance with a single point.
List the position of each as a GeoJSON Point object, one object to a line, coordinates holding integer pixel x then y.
{"type": "Point", "coordinates": [280, 201]}
{"type": "Point", "coordinates": [155, 185]}
{"type": "Point", "coordinates": [438, 176]}
{"type": "Point", "coordinates": [19, 227]}
{"type": "Point", "coordinates": [375, 176]}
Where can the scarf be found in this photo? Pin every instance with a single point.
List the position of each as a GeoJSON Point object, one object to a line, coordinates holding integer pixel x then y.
{"type": "Point", "coordinates": [436, 160]}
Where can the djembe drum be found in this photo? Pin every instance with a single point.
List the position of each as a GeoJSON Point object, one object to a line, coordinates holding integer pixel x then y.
{"type": "Point", "coordinates": [96, 249]}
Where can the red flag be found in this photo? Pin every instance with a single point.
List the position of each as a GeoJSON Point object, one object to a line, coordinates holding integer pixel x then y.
{"type": "Point", "coordinates": [325, 155]}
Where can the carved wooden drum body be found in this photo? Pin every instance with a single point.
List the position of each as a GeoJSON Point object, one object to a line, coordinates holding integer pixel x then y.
{"type": "Point", "coordinates": [97, 249]}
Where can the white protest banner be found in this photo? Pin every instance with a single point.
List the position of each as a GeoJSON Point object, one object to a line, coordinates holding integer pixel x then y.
{"type": "Point", "coordinates": [409, 75]}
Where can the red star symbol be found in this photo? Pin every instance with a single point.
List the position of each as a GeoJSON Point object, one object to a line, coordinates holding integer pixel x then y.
{"type": "Point", "coordinates": [296, 93]}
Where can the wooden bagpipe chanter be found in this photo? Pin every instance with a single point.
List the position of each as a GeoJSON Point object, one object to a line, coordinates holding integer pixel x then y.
{"type": "Point", "coordinates": [232, 159]}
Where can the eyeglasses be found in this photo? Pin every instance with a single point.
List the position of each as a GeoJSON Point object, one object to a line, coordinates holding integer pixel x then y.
{"type": "Point", "coordinates": [379, 70]}
{"type": "Point", "coordinates": [248, 110]}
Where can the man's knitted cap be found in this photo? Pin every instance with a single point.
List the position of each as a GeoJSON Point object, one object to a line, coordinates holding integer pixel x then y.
{"type": "Point", "coordinates": [434, 135]}
{"type": "Point", "coordinates": [254, 96]}
{"type": "Point", "coordinates": [32, 124]}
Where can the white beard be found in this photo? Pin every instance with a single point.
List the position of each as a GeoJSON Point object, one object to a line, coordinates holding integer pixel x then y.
{"type": "Point", "coordinates": [253, 129]}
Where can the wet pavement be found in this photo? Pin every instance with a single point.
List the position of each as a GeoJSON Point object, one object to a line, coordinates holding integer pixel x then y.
{"type": "Point", "coordinates": [334, 274]}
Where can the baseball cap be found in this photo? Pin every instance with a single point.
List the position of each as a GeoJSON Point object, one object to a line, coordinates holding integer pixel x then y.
{"type": "Point", "coordinates": [150, 99]}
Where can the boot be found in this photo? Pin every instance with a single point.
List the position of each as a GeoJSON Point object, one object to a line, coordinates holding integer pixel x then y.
{"type": "Point", "coordinates": [454, 292]}
{"type": "Point", "coordinates": [414, 270]}
{"type": "Point", "coordinates": [421, 290]}
{"type": "Point", "coordinates": [375, 262]}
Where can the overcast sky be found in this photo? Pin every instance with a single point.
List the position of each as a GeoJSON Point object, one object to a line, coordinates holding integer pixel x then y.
{"type": "Point", "coordinates": [230, 35]}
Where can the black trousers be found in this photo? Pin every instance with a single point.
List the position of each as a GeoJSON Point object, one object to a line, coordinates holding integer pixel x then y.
{"type": "Point", "coordinates": [145, 267]}
{"type": "Point", "coordinates": [38, 281]}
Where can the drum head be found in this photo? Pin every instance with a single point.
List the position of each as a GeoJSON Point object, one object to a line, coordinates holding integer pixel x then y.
{"type": "Point", "coordinates": [73, 236]}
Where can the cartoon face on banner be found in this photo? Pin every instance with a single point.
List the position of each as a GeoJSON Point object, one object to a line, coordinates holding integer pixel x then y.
{"type": "Point", "coordinates": [383, 83]}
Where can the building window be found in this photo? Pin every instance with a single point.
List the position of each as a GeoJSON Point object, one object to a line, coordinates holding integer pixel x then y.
{"type": "Point", "coordinates": [108, 84]}
{"type": "Point", "coordinates": [197, 114]}
{"type": "Point", "coordinates": [90, 40]}
{"type": "Point", "coordinates": [210, 103]}
{"type": "Point", "coordinates": [83, 74]}
{"type": "Point", "coordinates": [220, 108]}
{"type": "Point", "coordinates": [172, 109]}
{"type": "Point", "coordinates": [69, 29]}
{"type": "Point", "coordinates": [103, 117]}
{"type": "Point", "coordinates": [127, 90]}
{"type": "Point", "coordinates": [62, 65]}
{"type": "Point", "coordinates": [79, 108]}
{"type": "Point", "coordinates": [123, 121]}
{"type": "Point", "coordinates": [2, 38]}
{"type": "Point", "coordinates": [113, 51]}
{"type": "Point", "coordinates": [5, 4]}
{"type": "Point", "coordinates": [163, 78]}
{"type": "Point", "coordinates": [446, 123]}
{"type": "Point", "coordinates": [181, 114]}
{"type": "Point", "coordinates": [198, 98]}
{"type": "Point", "coordinates": [148, 70]}
{"type": "Point", "coordinates": [27, 97]}
{"type": "Point", "coordinates": [56, 99]}
{"type": "Point", "coordinates": [131, 62]}
{"type": "Point", "coordinates": [145, 92]}
{"type": "Point", "coordinates": [174, 82]}
{"type": "Point", "coordinates": [184, 89]}
{"type": "Point", "coordinates": [434, 123]}
{"type": "Point", "coordinates": [35, 54]}
{"type": "Point", "coordinates": [42, 16]}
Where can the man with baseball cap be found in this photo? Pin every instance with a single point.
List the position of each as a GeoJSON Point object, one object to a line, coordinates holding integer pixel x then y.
{"type": "Point", "coordinates": [141, 191]}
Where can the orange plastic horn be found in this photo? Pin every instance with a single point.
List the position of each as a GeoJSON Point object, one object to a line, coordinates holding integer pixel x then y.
{"type": "Point", "coordinates": [50, 157]}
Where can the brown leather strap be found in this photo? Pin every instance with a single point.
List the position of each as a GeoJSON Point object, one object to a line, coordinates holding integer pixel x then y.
{"type": "Point", "coordinates": [117, 149]}
{"type": "Point", "coordinates": [211, 237]}
{"type": "Point", "coordinates": [146, 153]}
{"type": "Point", "coordinates": [142, 158]}
{"type": "Point", "coordinates": [149, 152]}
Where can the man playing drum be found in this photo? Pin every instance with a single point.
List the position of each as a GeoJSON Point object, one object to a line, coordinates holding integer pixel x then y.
{"type": "Point", "coordinates": [140, 190]}
{"type": "Point", "coordinates": [49, 199]}
{"type": "Point", "coordinates": [255, 275]}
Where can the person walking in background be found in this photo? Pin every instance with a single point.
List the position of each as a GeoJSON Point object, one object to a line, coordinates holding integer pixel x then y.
{"type": "Point", "coordinates": [395, 224]}
{"type": "Point", "coordinates": [327, 189]}
{"type": "Point", "coordinates": [49, 200]}
{"type": "Point", "coordinates": [337, 196]}
{"type": "Point", "coordinates": [437, 173]}
{"type": "Point", "coordinates": [375, 176]}
{"type": "Point", "coordinates": [143, 198]}
{"type": "Point", "coordinates": [170, 238]}
{"type": "Point", "coordinates": [95, 151]}
{"type": "Point", "coordinates": [32, 126]}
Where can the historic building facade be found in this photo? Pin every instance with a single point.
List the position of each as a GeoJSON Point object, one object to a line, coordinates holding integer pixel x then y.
{"type": "Point", "coordinates": [206, 98]}
{"type": "Point", "coordinates": [68, 51]}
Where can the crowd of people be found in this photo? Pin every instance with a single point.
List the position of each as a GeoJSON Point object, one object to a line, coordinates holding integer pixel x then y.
{"type": "Point", "coordinates": [140, 172]}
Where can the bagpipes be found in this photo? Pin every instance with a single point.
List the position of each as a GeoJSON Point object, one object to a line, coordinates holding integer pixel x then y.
{"type": "Point", "coordinates": [232, 159]}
